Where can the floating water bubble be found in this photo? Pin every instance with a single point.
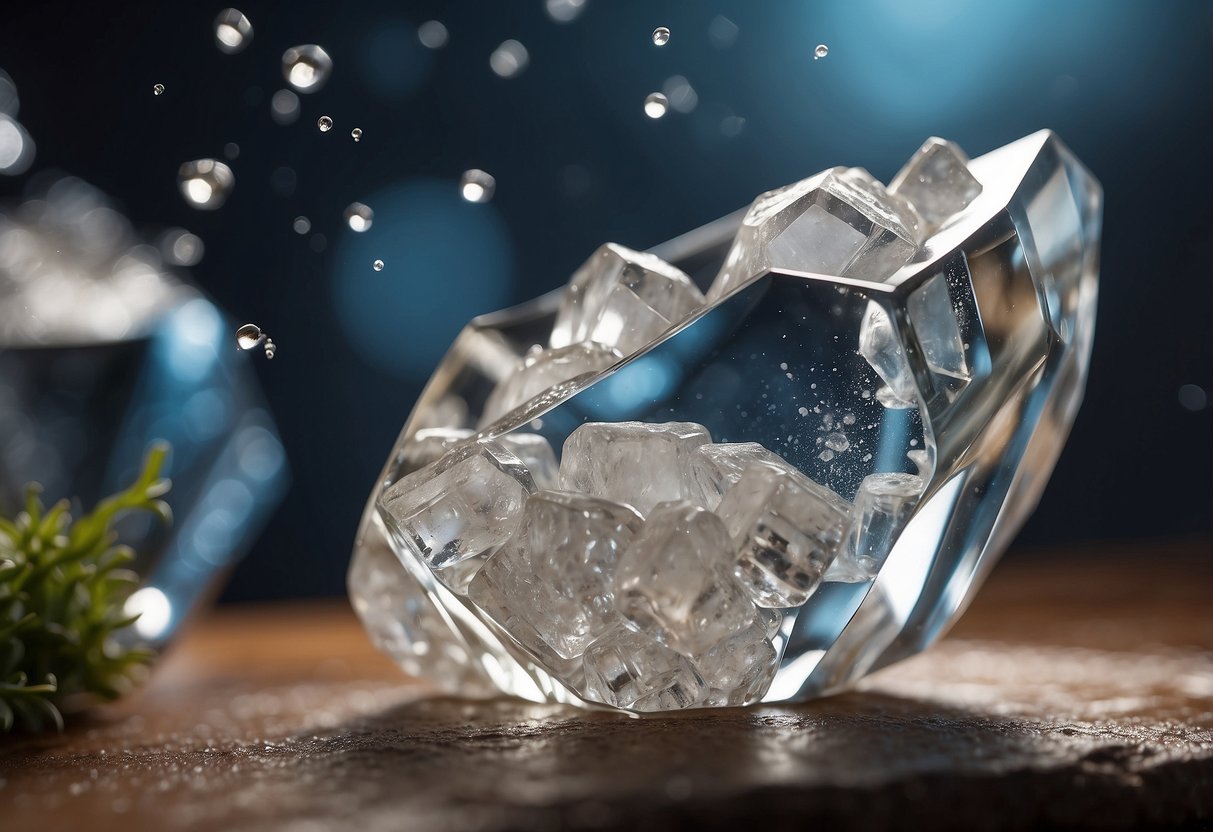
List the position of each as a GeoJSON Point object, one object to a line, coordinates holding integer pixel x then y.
{"type": "Point", "coordinates": [680, 93]}
{"type": "Point", "coordinates": [284, 107]}
{"type": "Point", "coordinates": [249, 336]}
{"type": "Point", "coordinates": [477, 186]}
{"type": "Point", "coordinates": [656, 105]}
{"type": "Point", "coordinates": [157, 89]}
{"type": "Point", "coordinates": [820, 52]}
{"type": "Point", "coordinates": [270, 348]}
{"type": "Point", "coordinates": [307, 67]}
{"type": "Point", "coordinates": [433, 34]}
{"type": "Point", "coordinates": [233, 31]}
{"type": "Point", "coordinates": [231, 150]}
{"type": "Point", "coordinates": [377, 265]}
{"type": "Point", "coordinates": [564, 11]}
{"type": "Point", "coordinates": [302, 225]}
{"type": "Point", "coordinates": [324, 123]}
{"type": "Point", "coordinates": [509, 59]}
{"type": "Point", "coordinates": [358, 216]}
{"type": "Point", "coordinates": [205, 183]}
{"type": "Point", "coordinates": [356, 134]}
{"type": "Point", "coordinates": [181, 248]}
{"type": "Point", "coordinates": [661, 36]}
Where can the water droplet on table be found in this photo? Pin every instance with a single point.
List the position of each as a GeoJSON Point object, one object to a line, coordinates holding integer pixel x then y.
{"type": "Point", "coordinates": [233, 31]}
{"type": "Point", "coordinates": [377, 265]}
{"type": "Point", "coordinates": [356, 134]}
{"type": "Point", "coordinates": [307, 67]}
{"type": "Point", "coordinates": [205, 183]}
{"type": "Point", "coordinates": [820, 52]}
{"type": "Point", "coordinates": [249, 336]}
{"type": "Point", "coordinates": [324, 123]}
{"type": "Point", "coordinates": [302, 225]}
{"type": "Point", "coordinates": [432, 34]}
{"type": "Point", "coordinates": [477, 186]}
{"type": "Point", "coordinates": [656, 105]}
{"type": "Point", "coordinates": [661, 36]}
{"type": "Point", "coordinates": [158, 89]}
{"type": "Point", "coordinates": [509, 59]}
{"type": "Point", "coordinates": [358, 216]}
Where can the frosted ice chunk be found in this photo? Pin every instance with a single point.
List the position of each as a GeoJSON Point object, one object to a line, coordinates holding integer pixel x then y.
{"type": "Point", "coordinates": [543, 370]}
{"type": "Point", "coordinates": [632, 462]}
{"type": "Point", "coordinates": [715, 467]}
{"type": "Point", "coordinates": [623, 299]}
{"type": "Point", "coordinates": [883, 505]}
{"type": "Point", "coordinates": [630, 670]}
{"type": "Point", "coordinates": [738, 669]}
{"type": "Point", "coordinates": [840, 222]}
{"type": "Point", "coordinates": [882, 349]}
{"type": "Point", "coordinates": [552, 581]}
{"type": "Point", "coordinates": [786, 529]}
{"type": "Point", "coordinates": [453, 511]}
{"type": "Point", "coordinates": [937, 181]}
{"type": "Point", "coordinates": [934, 320]}
{"type": "Point", "coordinates": [675, 582]}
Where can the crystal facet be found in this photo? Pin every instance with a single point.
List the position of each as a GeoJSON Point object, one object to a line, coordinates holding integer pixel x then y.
{"type": "Point", "coordinates": [889, 376]}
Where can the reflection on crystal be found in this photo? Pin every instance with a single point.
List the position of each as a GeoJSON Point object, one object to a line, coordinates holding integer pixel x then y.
{"type": "Point", "coordinates": [623, 299]}
{"type": "Point", "coordinates": [934, 320]}
{"type": "Point", "coordinates": [632, 462]}
{"type": "Point", "coordinates": [937, 181]}
{"type": "Point", "coordinates": [543, 370]}
{"type": "Point", "coordinates": [629, 670]}
{"type": "Point", "coordinates": [883, 350]}
{"type": "Point", "coordinates": [306, 68]}
{"type": "Point", "coordinates": [882, 507]}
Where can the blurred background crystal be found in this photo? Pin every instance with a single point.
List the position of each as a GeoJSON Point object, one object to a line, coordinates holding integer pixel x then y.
{"type": "Point", "coordinates": [103, 349]}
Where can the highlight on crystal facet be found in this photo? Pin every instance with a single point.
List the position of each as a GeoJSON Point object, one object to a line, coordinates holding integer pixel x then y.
{"type": "Point", "coordinates": [654, 491]}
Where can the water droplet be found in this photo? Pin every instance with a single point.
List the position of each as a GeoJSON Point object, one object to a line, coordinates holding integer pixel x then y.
{"type": "Point", "coordinates": [231, 150]}
{"type": "Point", "coordinates": [377, 265]}
{"type": "Point", "coordinates": [477, 186]}
{"type": "Point", "coordinates": [564, 11]}
{"type": "Point", "coordinates": [307, 67]}
{"type": "Point", "coordinates": [158, 89]}
{"type": "Point", "coordinates": [302, 225]}
{"type": "Point", "coordinates": [656, 105]}
{"type": "Point", "coordinates": [661, 36]}
{"type": "Point", "coordinates": [233, 31]}
{"type": "Point", "coordinates": [270, 349]}
{"type": "Point", "coordinates": [356, 134]}
{"type": "Point", "coordinates": [509, 59]}
{"type": "Point", "coordinates": [284, 107]}
{"type": "Point", "coordinates": [432, 34]}
{"type": "Point", "coordinates": [324, 123]}
{"type": "Point", "coordinates": [249, 336]}
{"type": "Point", "coordinates": [820, 52]}
{"type": "Point", "coordinates": [205, 183]}
{"type": "Point", "coordinates": [181, 248]}
{"type": "Point", "coordinates": [358, 216]}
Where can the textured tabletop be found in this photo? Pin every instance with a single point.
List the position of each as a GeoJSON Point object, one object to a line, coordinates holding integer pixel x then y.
{"type": "Point", "coordinates": [1076, 693]}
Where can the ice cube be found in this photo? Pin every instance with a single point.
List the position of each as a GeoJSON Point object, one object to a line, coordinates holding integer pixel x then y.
{"type": "Point", "coordinates": [738, 669]}
{"type": "Point", "coordinates": [630, 670]}
{"type": "Point", "coordinates": [937, 181]}
{"type": "Point", "coordinates": [883, 505]}
{"type": "Point", "coordinates": [715, 467]}
{"type": "Point", "coordinates": [543, 370]}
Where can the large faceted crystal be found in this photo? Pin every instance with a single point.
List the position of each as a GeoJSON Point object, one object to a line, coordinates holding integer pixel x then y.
{"type": "Point", "coordinates": [829, 454]}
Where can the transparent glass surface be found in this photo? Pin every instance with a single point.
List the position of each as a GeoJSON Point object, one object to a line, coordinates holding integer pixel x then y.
{"type": "Point", "coordinates": [964, 366]}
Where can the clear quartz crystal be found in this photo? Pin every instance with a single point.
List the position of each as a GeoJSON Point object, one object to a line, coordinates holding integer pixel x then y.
{"type": "Point", "coordinates": [632, 462]}
{"type": "Point", "coordinates": [551, 581]}
{"type": "Point", "coordinates": [675, 581]}
{"type": "Point", "coordinates": [854, 334]}
{"type": "Point", "coordinates": [623, 299]}
{"type": "Point", "coordinates": [545, 369]}
{"type": "Point", "coordinates": [786, 529]}
{"type": "Point", "coordinates": [453, 511]}
{"type": "Point", "coordinates": [840, 222]}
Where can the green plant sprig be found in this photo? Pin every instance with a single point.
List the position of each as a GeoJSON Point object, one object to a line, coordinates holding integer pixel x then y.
{"type": "Point", "coordinates": [63, 585]}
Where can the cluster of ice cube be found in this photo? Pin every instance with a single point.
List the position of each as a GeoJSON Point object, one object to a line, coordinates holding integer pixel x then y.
{"type": "Point", "coordinates": [651, 569]}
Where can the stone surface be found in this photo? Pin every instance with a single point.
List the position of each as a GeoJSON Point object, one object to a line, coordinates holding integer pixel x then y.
{"type": "Point", "coordinates": [627, 669]}
{"type": "Point", "coordinates": [623, 299]}
{"type": "Point", "coordinates": [840, 222]}
{"type": "Point", "coordinates": [675, 581]}
{"type": "Point", "coordinates": [553, 579]}
{"type": "Point", "coordinates": [786, 530]}
{"type": "Point", "coordinates": [456, 509]}
{"type": "Point", "coordinates": [883, 505]}
{"type": "Point", "coordinates": [937, 181]}
{"type": "Point", "coordinates": [716, 467]}
{"type": "Point", "coordinates": [636, 463]}
{"type": "Point", "coordinates": [543, 370]}
{"type": "Point", "coordinates": [738, 669]}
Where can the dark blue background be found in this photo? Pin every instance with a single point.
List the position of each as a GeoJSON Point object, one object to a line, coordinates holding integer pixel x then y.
{"type": "Point", "coordinates": [1126, 84]}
